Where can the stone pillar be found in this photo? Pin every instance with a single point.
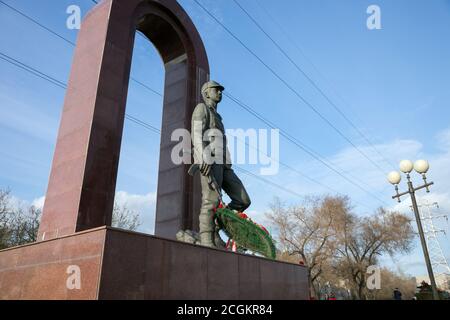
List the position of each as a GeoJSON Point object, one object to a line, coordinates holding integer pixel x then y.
{"type": "Point", "coordinates": [82, 182]}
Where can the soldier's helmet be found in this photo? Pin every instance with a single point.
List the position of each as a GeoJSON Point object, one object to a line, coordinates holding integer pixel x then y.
{"type": "Point", "coordinates": [211, 84]}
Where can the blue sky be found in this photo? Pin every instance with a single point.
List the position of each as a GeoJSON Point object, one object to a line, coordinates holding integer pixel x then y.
{"type": "Point", "coordinates": [392, 83]}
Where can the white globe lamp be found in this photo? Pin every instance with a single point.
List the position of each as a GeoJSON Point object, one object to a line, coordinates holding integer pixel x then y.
{"type": "Point", "coordinates": [394, 177]}
{"type": "Point", "coordinates": [421, 166]}
{"type": "Point", "coordinates": [406, 166]}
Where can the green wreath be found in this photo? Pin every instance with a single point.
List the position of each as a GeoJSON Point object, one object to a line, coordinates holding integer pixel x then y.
{"type": "Point", "coordinates": [245, 233]}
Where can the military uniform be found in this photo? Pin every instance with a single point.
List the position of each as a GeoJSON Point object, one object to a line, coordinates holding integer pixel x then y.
{"type": "Point", "coordinates": [205, 118]}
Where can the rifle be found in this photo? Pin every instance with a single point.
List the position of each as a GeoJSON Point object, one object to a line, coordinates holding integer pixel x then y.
{"type": "Point", "coordinates": [211, 179]}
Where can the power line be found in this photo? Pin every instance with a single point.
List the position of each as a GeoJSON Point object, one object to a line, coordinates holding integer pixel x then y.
{"type": "Point", "coordinates": [62, 85]}
{"type": "Point", "coordinates": [147, 87]}
{"type": "Point", "coordinates": [36, 22]}
{"type": "Point", "coordinates": [127, 116]}
{"type": "Point", "coordinates": [143, 124]}
{"type": "Point", "coordinates": [300, 173]}
{"type": "Point", "coordinates": [294, 42]}
{"type": "Point", "coordinates": [295, 92]}
{"type": "Point", "coordinates": [31, 70]}
{"type": "Point", "coordinates": [149, 127]}
{"type": "Point", "coordinates": [289, 137]}
{"type": "Point", "coordinates": [153, 129]}
{"type": "Point", "coordinates": [307, 103]}
{"type": "Point", "coordinates": [131, 118]}
{"type": "Point", "coordinates": [311, 81]}
{"type": "Point", "coordinates": [299, 144]}
{"type": "Point", "coordinates": [269, 182]}
{"type": "Point", "coordinates": [70, 42]}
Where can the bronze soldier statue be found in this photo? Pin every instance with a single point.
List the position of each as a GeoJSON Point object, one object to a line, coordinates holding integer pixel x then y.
{"type": "Point", "coordinates": [212, 158]}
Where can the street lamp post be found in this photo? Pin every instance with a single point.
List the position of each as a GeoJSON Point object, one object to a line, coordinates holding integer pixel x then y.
{"type": "Point", "coordinates": [421, 167]}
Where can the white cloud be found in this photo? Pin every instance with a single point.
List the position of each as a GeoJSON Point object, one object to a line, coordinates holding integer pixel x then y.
{"type": "Point", "coordinates": [356, 168]}
{"type": "Point", "coordinates": [258, 217]}
{"type": "Point", "coordinates": [353, 161]}
{"type": "Point", "coordinates": [38, 202]}
{"type": "Point", "coordinates": [16, 203]}
{"type": "Point", "coordinates": [144, 204]}
{"type": "Point", "coordinates": [443, 139]}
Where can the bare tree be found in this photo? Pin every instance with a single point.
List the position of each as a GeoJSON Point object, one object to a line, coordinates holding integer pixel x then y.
{"type": "Point", "coordinates": [23, 226]}
{"type": "Point", "coordinates": [4, 218]}
{"type": "Point", "coordinates": [20, 226]}
{"type": "Point", "coordinates": [391, 280]}
{"type": "Point", "coordinates": [307, 231]}
{"type": "Point", "coordinates": [335, 244]}
{"type": "Point", "coordinates": [125, 218]}
{"type": "Point", "coordinates": [360, 241]}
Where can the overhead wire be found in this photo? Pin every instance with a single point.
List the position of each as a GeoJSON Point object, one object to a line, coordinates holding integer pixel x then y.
{"type": "Point", "coordinates": [305, 57]}
{"type": "Point", "coordinates": [62, 85]}
{"type": "Point", "coordinates": [314, 84]}
{"type": "Point", "coordinates": [136, 120]}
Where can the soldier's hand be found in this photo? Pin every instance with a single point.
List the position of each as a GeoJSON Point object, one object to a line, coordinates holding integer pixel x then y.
{"type": "Point", "coordinates": [205, 169]}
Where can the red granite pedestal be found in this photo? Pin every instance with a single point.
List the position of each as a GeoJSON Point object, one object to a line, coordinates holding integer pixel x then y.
{"type": "Point", "coordinates": [117, 264]}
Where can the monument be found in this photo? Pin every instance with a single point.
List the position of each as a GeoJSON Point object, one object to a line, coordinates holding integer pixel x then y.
{"type": "Point", "coordinates": [78, 254]}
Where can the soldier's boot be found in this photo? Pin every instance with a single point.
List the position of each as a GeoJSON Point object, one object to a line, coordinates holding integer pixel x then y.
{"type": "Point", "coordinates": [206, 224]}
{"type": "Point", "coordinates": [206, 239]}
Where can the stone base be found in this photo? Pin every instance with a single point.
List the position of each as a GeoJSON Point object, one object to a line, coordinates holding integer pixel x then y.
{"type": "Point", "coordinates": [117, 264]}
